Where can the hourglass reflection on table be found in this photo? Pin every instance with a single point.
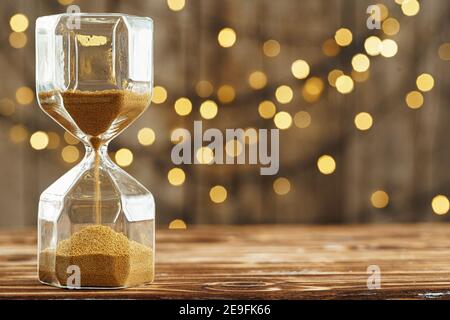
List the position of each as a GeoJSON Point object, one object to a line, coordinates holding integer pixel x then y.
{"type": "Point", "coordinates": [94, 76]}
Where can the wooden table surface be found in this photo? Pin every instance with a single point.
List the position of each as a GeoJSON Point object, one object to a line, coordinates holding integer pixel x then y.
{"type": "Point", "coordinates": [265, 262]}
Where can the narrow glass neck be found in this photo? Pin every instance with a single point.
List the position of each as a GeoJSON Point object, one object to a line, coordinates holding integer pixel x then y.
{"type": "Point", "coordinates": [101, 152]}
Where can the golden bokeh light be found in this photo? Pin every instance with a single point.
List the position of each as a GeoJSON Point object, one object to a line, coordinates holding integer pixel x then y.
{"type": "Point", "coordinates": [176, 5]}
{"type": "Point", "coordinates": [330, 48]}
{"type": "Point", "coordinates": [444, 51]}
{"type": "Point", "coordinates": [226, 93]}
{"type": "Point", "coordinates": [204, 155]}
{"type": "Point", "coordinates": [410, 7]}
{"type": "Point", "coordinates": [146, 136]}
{"type": "Point", "coordinates": [360, 62]}
{"type": "Point", "coordinates": [302, 119]}
{"type": "Point", "coordinates": [18, 133]}
{"type": "Point", "coordinates": [53, 140]}
{"type": "Point", "coordinates": [326, 164]}
{"type": "Point", "coordinates": [226, 37]}
{"type": "Point", "coordinates": [363, 121]}
{"type": "Point", "coordinates": [284, 94]}
{"type": "Point", "coordinates": [70, 154]}
{"type": "Point", "coordinates": [360, 76]}
{"type": "Point", "coordinates": [333, 75]}
{"type": "Point", "coordinates": [183, 106]}
{"type": "Point", "coordinates": [389, 48]}
{"type": "Point", "coordinates": [218, 194]}
{"type": "Point", "coordinates": [372, 45]}
{"type": "Point", "coordinates": [267, 109]}
{"type": "Point", "coordinates": [66, 2]}
{"type": "Point", "coordinates": [176, 176]}
{"type": "Point", "coordinates": [440, 204]}
{"type": "Point", "coordinates": [414, 99]}
{"type": "Point", "coordinates": [343, 37]}
{"type": "Point", "coordinates": [208, 109]}
{"type": "Point", "coordinates": [391, 26]}
{"type": "Point", "coordinates": [24, 95]}
{"type": "Point", "coordinates": [425, 82]}
{"type": "Point", "coordinates": [344, 84]}
{"type": "Point", "coordinates": [282, 120]}
{"type": "Point", "coordinates": [281, 186]}
{"type": "Point", "coordinates": [19, 22]}
{"type": "Point", "coordinates": [204, 88]}
{"type": "Point", "coordinates": [300, 69]}
{"type": "Point", "coordinates": [257, 80]}
{"type": "Point", "coordinates": [39, 140]}
{"type": "Point", "coordinates": [312, 89]}
{"type": "Point", "coordinates": [7, 107]}
{"type": "Point", "coordinates": [384, 12]}
{"type": "Point", "coordinates": [379, 199]}
{"type": "Point", "coordinates": [159, 95]}
{"type": "Point", "coordinates": [233, 148]}
{"type": "Point", "coordinates": [70, 139]}
{"type": "Point", "coordinates": [271, 48]}
{"type": "Point", "coordinates": [178, 135]}
{"type": "Point", "coordinates": [18, 40]}
{"type": "Point", "coordinates": [177, 224]}
{"type": "Point", "coordinates": [124, 157]}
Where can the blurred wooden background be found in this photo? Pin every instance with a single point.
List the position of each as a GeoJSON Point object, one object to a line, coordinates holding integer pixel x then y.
{"type": "Point", "coordinates": [405, 153]}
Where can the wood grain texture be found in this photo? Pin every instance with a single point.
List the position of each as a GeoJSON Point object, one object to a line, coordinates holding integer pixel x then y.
{"type": "Point", "coordinates": [265, 262]}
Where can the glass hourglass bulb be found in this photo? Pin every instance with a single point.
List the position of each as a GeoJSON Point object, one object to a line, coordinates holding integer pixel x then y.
{"type": "Point", "coordinates": [94, 75]}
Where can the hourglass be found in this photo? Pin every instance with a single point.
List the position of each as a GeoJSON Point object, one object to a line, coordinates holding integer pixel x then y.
{"type": "Point", "coordinates": [94, 76]}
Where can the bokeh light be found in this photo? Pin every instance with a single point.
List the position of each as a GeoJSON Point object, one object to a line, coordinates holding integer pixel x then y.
{"type": "Point", "coordinates": [363, 121]}
{"type": "Point", "coordinates": [379, 199]}
{"type": "Point", "coordinates": [70, 138]}
{"type": "Point", "coordinates": [19, 22]}
{"type": "Point", "coordinates": [344, 84]}
{"type": "Point", "coordinates": [18, 40]}
{"type": "Point", "coordinates": [177, 224]}
{"type": "Point", "coordinates": [440, 204]}
{"type": "Point", "coordinates": [391, 26]}
{"type": "Point", "coordinates": [330, 48]}
{"type": "Point", "coordinates": [176, 176]}
{"type": "Point", "coordinates": [281, 186]}
{"type": "Point", "coordinates": [208, 109]}
{"type": "Point", "coordinates": [18, 133]}
{"type": "Point", "coordinates": [176, 5]}
{"type": "Point", "coordinates": [326, 164]}
{"type": "Point", "coordinates": [39, 140]}
{"type": "Point", "coordinates": [70, 154]}
{"type": "Point", "coordinates": [24, 95]}
{"type": "Point", "coordinates": [271, 48]}
{"type": "Point", "coordinates": [410, 7]}
{"type": "Point", "coordinates": [284, 94]}
{"type": "Point", "coordinates": [360, 62]}
{"type": "Point", "coordinates": [333, 75]}
{"type": "Point", "coordinates": [159, 95]}
{"type": "Point", "coordinates": [146, 136]}
{"type": "Point", "coordinates": [389, 48]}
{"type": "Point", "coordinates": [302, 119]}
{"type": "Point", "coordinates": [226, 93]}
{"type": "Point", "coordinates": [343, 37]}
{"type": "Point", "coordinates": [218, 194]}
{"type": "Point", "coordinates": [226, 37]}
{"type": "Point", "coordinates": [204, 155]}
{"type": "Point", "coordinates": [372, 45]}
{"type": "Point", "coordinates": [124, 157]}
{"type": "Point", "coordinates": [282, 120]}
{"type": "Point", "coordinates": [257, 80]}
{"type": "Point", "coordinates": [204, 88]}
{"type": "Point", "coordinates": [183, 106]}
{"type": "Point", "coordinates": [425, 82]}
{"type": "Point", "coordinates": [414, 99]}
{"type": "Point", "coordinates": [300, 69]}
{"type": "Point", "coordinates": [267, 109]}
{"type": "Point", "coordinates": [444, 51]}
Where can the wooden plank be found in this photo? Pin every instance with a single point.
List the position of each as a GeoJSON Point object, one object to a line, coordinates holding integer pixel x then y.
{"type": "Point", "coordinates": [265, 262]}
